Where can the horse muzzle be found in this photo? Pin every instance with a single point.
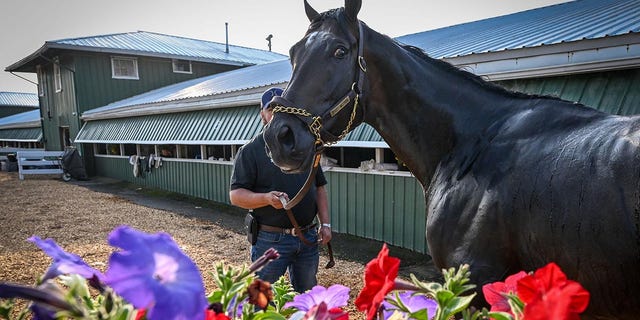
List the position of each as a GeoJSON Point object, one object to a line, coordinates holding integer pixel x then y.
{"type": "Point", "coordinates": [289, 143]}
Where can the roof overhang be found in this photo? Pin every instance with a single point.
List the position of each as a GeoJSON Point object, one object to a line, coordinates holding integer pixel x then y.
{"type": "Point", "coordinates": [224, 100]}
{"type": "Point", "coordinates": [28, 63]}
{"type": "Point", "coordinates": [587, 55]}
{"type": "Point", "coordinates": [22, 125]}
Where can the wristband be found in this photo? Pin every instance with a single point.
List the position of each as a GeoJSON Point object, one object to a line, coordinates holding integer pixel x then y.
{"type": "Point", "coordinates": [328, 225]}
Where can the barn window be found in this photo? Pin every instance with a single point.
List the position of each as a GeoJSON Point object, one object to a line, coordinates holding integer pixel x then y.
{"type": "Point", "coordinates": [57, 77]}
{"type": "Point", "coordinates": [181, 66]}
{"type": "Point", "coordinates": [124, 68]}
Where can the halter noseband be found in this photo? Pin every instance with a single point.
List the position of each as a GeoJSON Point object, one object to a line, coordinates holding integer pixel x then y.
{"type": "Point", "coordinates": [315, 122]}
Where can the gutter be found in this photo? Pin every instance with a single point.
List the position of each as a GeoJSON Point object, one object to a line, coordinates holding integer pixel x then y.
{"type": "Point", "coordinates": [602, 54]}
{"type": "Point", "coordinates": [217, 101]}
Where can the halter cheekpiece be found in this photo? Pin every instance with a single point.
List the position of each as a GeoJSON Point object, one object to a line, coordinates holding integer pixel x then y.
{"type": "Point", "coordinates": [315, 122]}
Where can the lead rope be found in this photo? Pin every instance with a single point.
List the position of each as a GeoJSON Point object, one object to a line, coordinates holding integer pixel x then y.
{"type": "Point", "coordinates": [287, 205]}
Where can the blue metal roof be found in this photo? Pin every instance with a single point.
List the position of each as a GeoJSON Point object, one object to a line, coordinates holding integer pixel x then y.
{"type": "Point", "coordinates": [241, 79]}
{"type": "Point", "coordinates": [24, 119]}
{"type": "Point", "coordinates": [141, 41]}
{"type": "Point", "coordinates": [19, 99]}
{"type": "Point", "coordinates": [565, 22]}
{"type": "Point", "coordinates": [144, 43]}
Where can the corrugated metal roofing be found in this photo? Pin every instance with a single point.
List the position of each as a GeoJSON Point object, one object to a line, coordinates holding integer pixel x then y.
{"type": "Point", "coordinates": [241, 79]}
{"type": "Point", "coordinates": [21, 135]}
{"type": "Point", "coordinates": [19, 99]}
{"type": "Point", "coordinates": [583, 19]}
{"type": "Point", "coordinates": [144, 43]}
{"type": "Point", "coordinates": [24, 119]}
{"type": "Point", "coordinates": [565, 22]}
{"type": "Point", "coordinates": [214, 126]}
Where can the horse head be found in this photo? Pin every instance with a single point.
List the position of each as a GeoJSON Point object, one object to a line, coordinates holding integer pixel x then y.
{"type": "Point", "coordinates": [321, 103]}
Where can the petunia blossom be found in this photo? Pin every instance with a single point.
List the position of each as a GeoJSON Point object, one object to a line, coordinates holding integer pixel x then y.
{"type": "Point", "coordinates": [548, 294]}
{"type": "Point", "coordinates": [496, 293]}
{"type": "Point", "coordinates": [64, 262]}
{"type": "Point", "coordinates": [379, 277]}
{"type": "Point", "coordinates": [413, 302]}
{"type": "Point", "coordinates": [322, 312]}
{"type": "Point", "coordinates": [152, 272]}
{"type": "Point", "coordinates": [335, 296]}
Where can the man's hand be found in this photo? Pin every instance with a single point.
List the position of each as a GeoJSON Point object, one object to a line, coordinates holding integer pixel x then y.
{"type": "Point", "coordinates": [324, 235]}
{"type": "Point", "coordinates": [273, 198]}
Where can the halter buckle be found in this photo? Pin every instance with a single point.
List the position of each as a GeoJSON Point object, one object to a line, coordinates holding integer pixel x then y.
{"type": "Point", "coordinates": [362, 64]}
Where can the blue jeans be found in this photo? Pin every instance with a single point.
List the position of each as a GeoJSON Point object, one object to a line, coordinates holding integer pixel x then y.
{"type": "Point", "coordinates": [296, 257]}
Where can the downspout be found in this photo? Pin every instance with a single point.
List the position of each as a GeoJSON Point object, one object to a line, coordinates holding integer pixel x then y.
{"type": "Point", "coordinates": [23, 78]}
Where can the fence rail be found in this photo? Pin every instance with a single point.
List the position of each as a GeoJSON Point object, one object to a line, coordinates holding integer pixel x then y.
{"type": "Point", "coordinates": [39, 162]}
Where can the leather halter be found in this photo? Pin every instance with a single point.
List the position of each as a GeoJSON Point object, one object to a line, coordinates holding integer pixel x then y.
{"type": "Point", "coordinates": [314, 123]}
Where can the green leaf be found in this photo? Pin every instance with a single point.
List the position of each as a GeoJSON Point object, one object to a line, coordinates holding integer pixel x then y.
{"type": "Point", "coordinates": [458, 304]}
{"type": "Point", "coordinates": [500, 315]}
{"type": "Point", "coordinates": [269, 315]}
{"type": "Point", "coordinates": [421, 314]}
{"type": "Point", "coordinates": [443, 297]}
{"type": "Point", "coordinates": [5, 308]}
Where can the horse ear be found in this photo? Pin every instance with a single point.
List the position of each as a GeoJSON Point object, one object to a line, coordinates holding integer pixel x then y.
{"type": "Point", "coordinates": [312, 14]}
{"type": "Point", "coordinates": [351, 8]}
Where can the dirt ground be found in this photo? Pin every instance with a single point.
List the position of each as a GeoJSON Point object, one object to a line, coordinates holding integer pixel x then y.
{"type": "Point", "coordinates": [79, 215]}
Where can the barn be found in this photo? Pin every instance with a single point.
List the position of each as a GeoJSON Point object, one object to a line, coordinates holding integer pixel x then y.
{"type": "Point", "coordinates": [183, 137]}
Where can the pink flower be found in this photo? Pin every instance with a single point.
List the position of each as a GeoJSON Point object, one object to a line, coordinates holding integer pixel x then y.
{"type": "Point", "coordinates": [496, 293]}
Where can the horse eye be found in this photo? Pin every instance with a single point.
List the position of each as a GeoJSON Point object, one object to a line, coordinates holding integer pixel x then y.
{"type": "Point", "coordinates": [340, 53]}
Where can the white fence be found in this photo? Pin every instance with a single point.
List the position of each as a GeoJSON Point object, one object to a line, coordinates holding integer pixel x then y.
{"type": "Point", "coordinates": [7, 150]}
{"type": "Point", "coordinates": [39, 162]}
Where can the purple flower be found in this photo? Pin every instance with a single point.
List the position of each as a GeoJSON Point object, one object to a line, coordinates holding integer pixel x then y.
{"type": "Point", "coordinates": [64, 262]}
{"type": "Point", "coordinates": [413, 303]}
{"type": "Point", "coordinates": [47, 299]}
{"type": "Point", "coordinates": [152, 272]}
{"type": "Point", "coordinates": [335, 296]}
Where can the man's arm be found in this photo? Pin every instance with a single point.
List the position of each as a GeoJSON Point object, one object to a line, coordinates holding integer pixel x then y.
{"type": "Point", "coordinates": [248, 199]}
{"type": "Point", "coordinates": [323, 213]}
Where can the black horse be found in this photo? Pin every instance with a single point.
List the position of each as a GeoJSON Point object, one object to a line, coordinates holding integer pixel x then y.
{"type": "Point", "coordinates": [512, 181]}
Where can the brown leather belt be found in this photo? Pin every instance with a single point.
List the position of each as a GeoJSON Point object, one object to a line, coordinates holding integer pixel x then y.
{"type": "Point", "coordinates": [290, 231]}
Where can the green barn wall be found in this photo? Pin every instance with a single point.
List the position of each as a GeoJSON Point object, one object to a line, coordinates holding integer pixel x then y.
{"type": "Point", "coordinates": [59, 108]}
{"type": "Point", "coordinates": [373, 206]}
{"type": "Point", "coordinates": [614, 92]}
{"type": "Point", "coordinates": [97, 88]}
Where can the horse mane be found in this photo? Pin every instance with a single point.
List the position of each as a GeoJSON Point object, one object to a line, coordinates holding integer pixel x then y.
{"type": "Point", "coordinates": [418, 52]}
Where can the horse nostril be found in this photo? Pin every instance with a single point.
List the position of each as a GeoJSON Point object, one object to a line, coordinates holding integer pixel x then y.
{"type": "Point", "coordinates": [286, 138]}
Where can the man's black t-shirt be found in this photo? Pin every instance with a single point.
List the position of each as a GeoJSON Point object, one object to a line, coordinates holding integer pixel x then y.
{"type": "Point", "coordinates": [253, 170]}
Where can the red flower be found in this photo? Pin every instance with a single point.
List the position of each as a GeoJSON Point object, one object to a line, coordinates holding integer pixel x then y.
{"type": "Point", "coordinates": [495, 293]}
{"type": "Point", "coordinates": [379, 278]}
{"type": "Point", "coordinates": [212, 315]}
{"type": "Point", "coordinates": [548, 294]}
{"type": "Point", "coordinates": [140, 315]}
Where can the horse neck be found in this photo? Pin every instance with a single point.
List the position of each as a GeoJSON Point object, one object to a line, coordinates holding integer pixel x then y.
{"type": "Point", "coordinates": [421, 107]}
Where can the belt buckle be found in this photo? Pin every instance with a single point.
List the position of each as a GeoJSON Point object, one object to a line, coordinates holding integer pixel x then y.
{"type": "Point", "coordinates": [291, 231]}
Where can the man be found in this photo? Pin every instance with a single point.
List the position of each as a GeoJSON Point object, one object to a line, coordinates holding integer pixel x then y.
{"type": "Point", "coordinates": [257, 184]}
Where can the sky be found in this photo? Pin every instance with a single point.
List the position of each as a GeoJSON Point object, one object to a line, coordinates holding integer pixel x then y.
{"type": "Point", "coordinates": [26, 24]}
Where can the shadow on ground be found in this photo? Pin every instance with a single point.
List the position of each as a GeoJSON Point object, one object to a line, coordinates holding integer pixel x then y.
{"type": "Point", "coordinates": [345, 247]}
